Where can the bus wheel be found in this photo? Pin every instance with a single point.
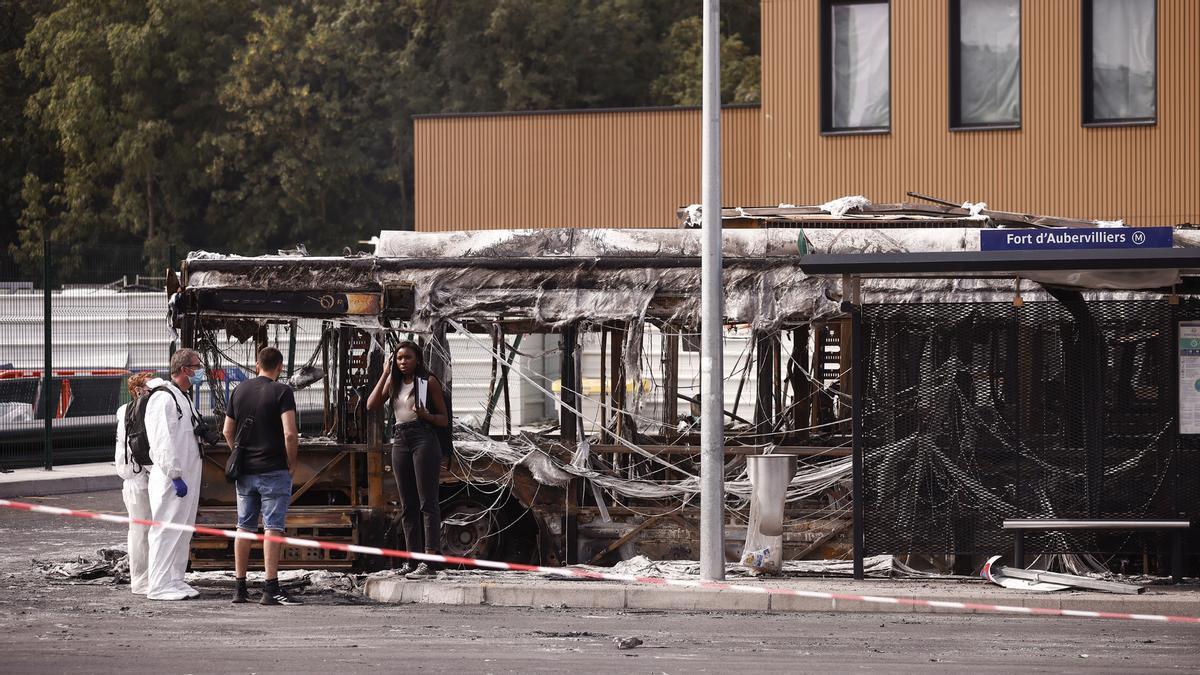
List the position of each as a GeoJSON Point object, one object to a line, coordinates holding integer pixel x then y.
{"type": "Point", "coordinates": [467, 530]}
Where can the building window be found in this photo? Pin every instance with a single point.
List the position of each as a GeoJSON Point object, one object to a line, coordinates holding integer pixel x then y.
{"type": "Point", "coordinates": [1119, 71]}
{"type": "Point", "coordinates": [985, 63]}
{"type": "Point", "coordinates": [855, 66]}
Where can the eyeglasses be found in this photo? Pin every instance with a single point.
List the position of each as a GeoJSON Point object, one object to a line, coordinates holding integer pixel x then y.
{"type": "Point", "coordinates": [194, 366]}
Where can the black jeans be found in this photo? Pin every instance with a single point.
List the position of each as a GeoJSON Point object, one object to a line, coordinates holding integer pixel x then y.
{"type": "Point", "coordinates": [417, 464]}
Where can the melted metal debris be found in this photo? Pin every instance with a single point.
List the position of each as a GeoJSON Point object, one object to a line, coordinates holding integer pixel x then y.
{"type": "Point", "coordinates": [110, 566]}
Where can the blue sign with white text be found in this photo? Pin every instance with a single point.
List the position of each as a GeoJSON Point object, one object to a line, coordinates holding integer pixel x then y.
{"type": "Point", "coordinates": [1076, 238]}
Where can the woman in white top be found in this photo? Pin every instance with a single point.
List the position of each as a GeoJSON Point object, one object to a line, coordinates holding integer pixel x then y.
{"type": "Point", "coordinates": [416, 453]}
{"type": "Point", "coordinates": [135, 491]}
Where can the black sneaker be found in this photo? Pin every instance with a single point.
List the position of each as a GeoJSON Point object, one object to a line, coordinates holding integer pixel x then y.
{"type": "Point", "coordinates": [423, 571]}
{"type": "Point", "coordinates": [277, 596]}
{"type": "Point", "coordinates": [406, 568]}
{"type": "Point", "coordinates": [241, 595]}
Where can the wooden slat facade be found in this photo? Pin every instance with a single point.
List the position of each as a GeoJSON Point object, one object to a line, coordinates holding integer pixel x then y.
{"type": "Point", "coordinates": [633, 168]}
{"type": "Point", "coordinates": [582, 169]}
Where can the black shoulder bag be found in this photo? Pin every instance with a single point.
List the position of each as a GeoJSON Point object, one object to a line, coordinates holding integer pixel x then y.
{"type": "Point", "coordinates": [233, 466]}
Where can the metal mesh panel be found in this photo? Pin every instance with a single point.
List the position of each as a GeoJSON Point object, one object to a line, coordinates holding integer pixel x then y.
{"type": "Point", "coordinates": [107, 321]}
{"type": "Point", "coordinates": [978, 413]}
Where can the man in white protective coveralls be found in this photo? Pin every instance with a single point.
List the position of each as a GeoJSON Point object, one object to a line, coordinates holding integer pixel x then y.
{"type": "Point", "coordinates": [174, 477]}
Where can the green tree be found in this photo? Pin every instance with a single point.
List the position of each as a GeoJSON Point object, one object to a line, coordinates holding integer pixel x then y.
{"type": "Point", "coordinates": [320, 99]}
{"type": "Point", "coordinates": [316, 105]}
{"type": "Point", "coordinates": [447, 60]}
{"type": "Point", "coordinates": [557, 54]}
{"type": "Point", "coordinates": [125, 90]}
{"type": "Point", "coordinates": [247, 125]}
{"type": "Point", "coordinates": [23, 147]}
{"type": "Point", "coordinates": [683, 62]}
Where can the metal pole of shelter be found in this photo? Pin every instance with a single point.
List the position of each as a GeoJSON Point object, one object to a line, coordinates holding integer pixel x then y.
{"type": "Point", "coordinates": [851, 289]}
{"type": "Point", "coordinates": [712, 427]}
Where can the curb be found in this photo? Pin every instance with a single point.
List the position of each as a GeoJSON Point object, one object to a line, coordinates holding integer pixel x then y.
{"type": "Point", "coordinates": [58, 486]}
{"type": "Point", "coordinates": [602, 595]}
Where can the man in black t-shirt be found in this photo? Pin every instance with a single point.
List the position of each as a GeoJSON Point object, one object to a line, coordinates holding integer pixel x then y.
{"type": "Point", "coordinates": [262, 419]}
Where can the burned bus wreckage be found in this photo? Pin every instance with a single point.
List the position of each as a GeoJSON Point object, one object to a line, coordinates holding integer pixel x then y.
{"type": "Point", "coordinates": [571, 360]}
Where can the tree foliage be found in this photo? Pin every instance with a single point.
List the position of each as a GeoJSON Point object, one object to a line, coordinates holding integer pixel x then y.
{"type": "Point", "coordinates": [247, 125]}
{"type": "Point", "coordinates": [125, 90]}
{"type": "Point", "coordinates": [23, 148]}
{"type": "Point", "coordinates": [310, 150]}
{"type": "Point", "coordinates": [681, 84]}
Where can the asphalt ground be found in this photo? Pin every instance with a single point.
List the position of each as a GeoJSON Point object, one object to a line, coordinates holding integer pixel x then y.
{"type": "Point", "coordinates": [53, 626]}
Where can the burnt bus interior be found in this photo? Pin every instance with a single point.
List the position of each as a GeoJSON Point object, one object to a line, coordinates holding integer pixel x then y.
{"type": "Point", "coordinates": [527, 510]}
{"type": "Point", "coordinates": [975, 407]}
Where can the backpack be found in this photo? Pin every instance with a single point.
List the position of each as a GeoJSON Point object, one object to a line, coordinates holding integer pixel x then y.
{"type": "Point", "coordinates": [137, 441]}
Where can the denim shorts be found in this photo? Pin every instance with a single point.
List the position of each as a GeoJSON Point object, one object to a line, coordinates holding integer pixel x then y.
{"type": "Point", "coordinates": [265, 493]}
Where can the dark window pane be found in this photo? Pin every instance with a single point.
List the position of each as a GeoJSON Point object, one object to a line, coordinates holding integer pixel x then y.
{"type": "Point", "coordinates": [859, 92]}
{"type": "Point", "coordinates": [989, 43]}
{"type": "Point", "coordinates": [1122, 54]}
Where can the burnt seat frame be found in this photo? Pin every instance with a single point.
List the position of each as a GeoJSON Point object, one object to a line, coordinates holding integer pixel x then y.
{"type": "Point", "coordinates": [1021, 525]}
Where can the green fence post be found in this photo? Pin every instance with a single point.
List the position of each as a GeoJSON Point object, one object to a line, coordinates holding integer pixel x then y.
{"type": "Point", "coordinates": [47, 373]}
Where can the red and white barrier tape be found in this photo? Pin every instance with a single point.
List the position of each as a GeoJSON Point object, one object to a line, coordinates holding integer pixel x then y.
{"type": "Point", "coordinates": [574, 573]}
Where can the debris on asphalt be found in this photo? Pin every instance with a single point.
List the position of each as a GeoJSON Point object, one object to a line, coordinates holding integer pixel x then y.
{"type": "Point", "coordinates": [1042, 580]}
{"type": "Point", "coordinates": [110, 566]}
{"type": "Point", "coordinates": [626, 642]}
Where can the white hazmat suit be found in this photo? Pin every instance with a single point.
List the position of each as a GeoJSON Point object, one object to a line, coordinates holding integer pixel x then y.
{"type": "Point", "coordinates": [176, 454]}
{"type": "Point", "coordinates": [135, 492]}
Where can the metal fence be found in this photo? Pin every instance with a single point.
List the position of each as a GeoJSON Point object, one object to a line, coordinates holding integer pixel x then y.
{"type": "Point", "coordinates": [978, 413]}
{"type": "Point", "coordinates": [108, 311]}
{"type": "Point", "coordinates": [107, 320]}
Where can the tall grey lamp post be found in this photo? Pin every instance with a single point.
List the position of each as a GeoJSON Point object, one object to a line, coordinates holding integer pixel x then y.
{"type": "Point", "coordinates": [712, 440]}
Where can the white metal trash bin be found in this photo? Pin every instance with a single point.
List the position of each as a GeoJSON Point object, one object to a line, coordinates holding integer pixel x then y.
{"type": "Point", "coordinates": [770, 476]}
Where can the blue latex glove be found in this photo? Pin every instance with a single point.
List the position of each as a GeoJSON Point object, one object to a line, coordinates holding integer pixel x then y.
{"type": "Point", "coordinates": [180, 487]}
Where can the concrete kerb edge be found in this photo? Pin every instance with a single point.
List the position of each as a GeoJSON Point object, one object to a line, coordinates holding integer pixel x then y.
{"type": "Point", "coordinates": [615, 596]}
{"type": "Point", "coordinates": [59, 486]}
{"type": "Point", "coordinates": [610, 596]}
{"type": "Point", "coordinates": [427, 593]}
{"type": "Point", "coordinates": [580, 595]}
